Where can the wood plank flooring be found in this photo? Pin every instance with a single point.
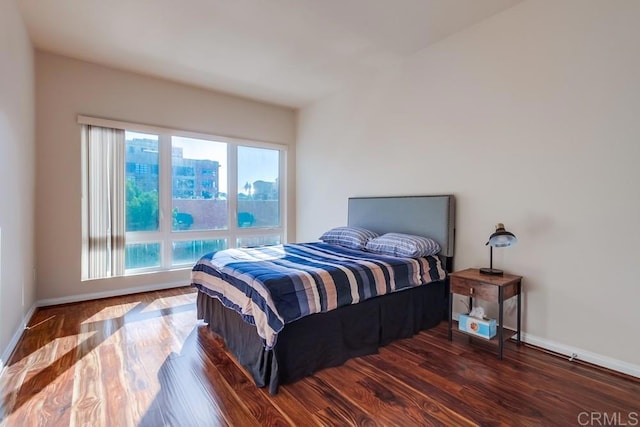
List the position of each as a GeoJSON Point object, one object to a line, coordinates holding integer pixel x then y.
{"type": "Point", "coordinates": [144, 360]}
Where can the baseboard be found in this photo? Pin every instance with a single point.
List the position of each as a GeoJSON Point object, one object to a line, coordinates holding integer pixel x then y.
{"type": "Point", "coordinates": [575, 353]}
{"type": "Point", "coordinates": [107, 294]}
{"type": "Point", "coordinates": [16, 337]}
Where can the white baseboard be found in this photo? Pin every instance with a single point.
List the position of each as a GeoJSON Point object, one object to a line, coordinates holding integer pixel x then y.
{"type": "Point", "coordinates": [16, 337]}
{"type": "Point", "coordinates": [106, 294]}
{"type": "Point", "coordinates": [75, 298]}
{"type": "Point", "coordinates": [575, 353]}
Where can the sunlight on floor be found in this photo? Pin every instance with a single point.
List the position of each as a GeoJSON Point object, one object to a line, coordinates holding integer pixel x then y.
{"type": "Point", "coordinates": [31, 367]}
{"type": "Point", "coordinates": [56, 404]}
{"type": "Point", "coordinates": [29, 412]}
{"type": "Point", "coordinates": [67, 380]}
{"type": "Point", "coordinates": [50, 375]}
{"type": "Point", "coordinates": [42, 357]}
{"type": "Point", "coordinates": [111, 312]}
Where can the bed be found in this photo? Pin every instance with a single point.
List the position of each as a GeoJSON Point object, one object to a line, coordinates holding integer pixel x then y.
{"type": "Point", "coordinates": [303, 338]}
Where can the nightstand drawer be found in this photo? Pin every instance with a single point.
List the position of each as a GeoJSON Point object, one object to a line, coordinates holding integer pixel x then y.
{"type": "Point", "coordinates": [475, 289]}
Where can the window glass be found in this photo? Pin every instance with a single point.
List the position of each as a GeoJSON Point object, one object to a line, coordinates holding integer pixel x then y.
{"type": "Point", "coordinates": [253, 241]}
{"type": "Point", "coordinates": [141, 157]}
{"type": "Point", "coordinates": [142, 255]}
{"type": "Point", "coordinates": [258, 187]}
{"type": "Point", "coordinates": [189, 251]}
{"type": "Point", "coordinates": [199, 184]}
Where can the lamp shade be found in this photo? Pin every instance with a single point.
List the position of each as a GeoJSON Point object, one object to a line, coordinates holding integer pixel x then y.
{"type": "Point", "coordinates": [501, 238]}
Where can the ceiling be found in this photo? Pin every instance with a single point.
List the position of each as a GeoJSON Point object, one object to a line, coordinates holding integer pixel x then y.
{"type": "Point", "coordinates": [287, 52]}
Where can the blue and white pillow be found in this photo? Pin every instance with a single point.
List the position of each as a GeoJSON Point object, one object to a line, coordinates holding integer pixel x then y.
{"type": "Point", "coordinates": [403, 245]}
{"type": "Point", "coordinates": [349, 237]}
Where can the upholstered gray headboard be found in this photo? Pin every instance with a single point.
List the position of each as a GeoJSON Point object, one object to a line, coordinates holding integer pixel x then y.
{"type": "Point", "coordinates": [430, 216]}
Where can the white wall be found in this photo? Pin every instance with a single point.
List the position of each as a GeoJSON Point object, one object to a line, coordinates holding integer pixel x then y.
{"type": "Point", "coordinates": [66, 88]}
{"type": "Point", "coordinates": [531, 118]}
{"type": "Point", "coordinates": [17, 176]}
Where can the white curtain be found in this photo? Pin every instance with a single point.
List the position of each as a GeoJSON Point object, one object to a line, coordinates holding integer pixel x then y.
{"type": "Point", "coordinates": [103, 202]}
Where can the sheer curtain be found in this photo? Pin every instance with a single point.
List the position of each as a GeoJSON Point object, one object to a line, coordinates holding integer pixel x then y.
{"type": "Point", "coordinates": [103, 151]}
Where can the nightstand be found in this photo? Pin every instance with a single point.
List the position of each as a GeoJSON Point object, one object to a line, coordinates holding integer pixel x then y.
{"type": "Point", "coordinates": [472, 284]}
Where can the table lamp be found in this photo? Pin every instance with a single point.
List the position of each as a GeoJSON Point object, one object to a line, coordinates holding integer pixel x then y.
{"type": "Point", "coordinates": [500, 239]}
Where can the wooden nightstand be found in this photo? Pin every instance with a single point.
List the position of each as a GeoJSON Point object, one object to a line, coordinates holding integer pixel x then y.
{"type": "Point", "coordinates": [471, 283]}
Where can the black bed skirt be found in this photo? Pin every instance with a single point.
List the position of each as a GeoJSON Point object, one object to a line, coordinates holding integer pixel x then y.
{"type": "Point", "coordinates": [326, 339]}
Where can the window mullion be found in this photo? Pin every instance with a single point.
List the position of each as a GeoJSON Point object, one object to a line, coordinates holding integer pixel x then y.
{"type": "Point", "coordinates": [232, 193]}
{"type": "Point", "coordinates": [282, 195]}
{"type": "Point", "coordinates": [165, 197]}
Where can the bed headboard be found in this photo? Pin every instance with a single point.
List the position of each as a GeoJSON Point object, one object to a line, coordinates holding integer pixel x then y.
{"type": "Point", "coordinates": [430, 216]}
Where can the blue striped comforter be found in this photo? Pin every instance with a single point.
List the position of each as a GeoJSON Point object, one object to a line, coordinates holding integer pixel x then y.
{"type": "Point", "coordinates": [274, 285]}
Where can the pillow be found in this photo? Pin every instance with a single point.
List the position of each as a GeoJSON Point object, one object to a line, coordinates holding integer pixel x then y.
{"type": "Point", "coordinates": [403, 245]}
{"type": "Point", "coordinates": [349, 237]}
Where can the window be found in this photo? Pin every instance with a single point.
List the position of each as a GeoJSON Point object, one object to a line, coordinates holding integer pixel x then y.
{"type": "Point", "coordinates": [176, 196]}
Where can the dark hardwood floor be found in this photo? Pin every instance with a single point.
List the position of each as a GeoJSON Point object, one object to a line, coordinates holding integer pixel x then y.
{"type": "Point", "coordinates": [144, 360]}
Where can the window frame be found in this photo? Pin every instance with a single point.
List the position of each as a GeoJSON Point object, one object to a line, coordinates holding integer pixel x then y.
{"type": "Point", "coordinates": [165, 235]}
